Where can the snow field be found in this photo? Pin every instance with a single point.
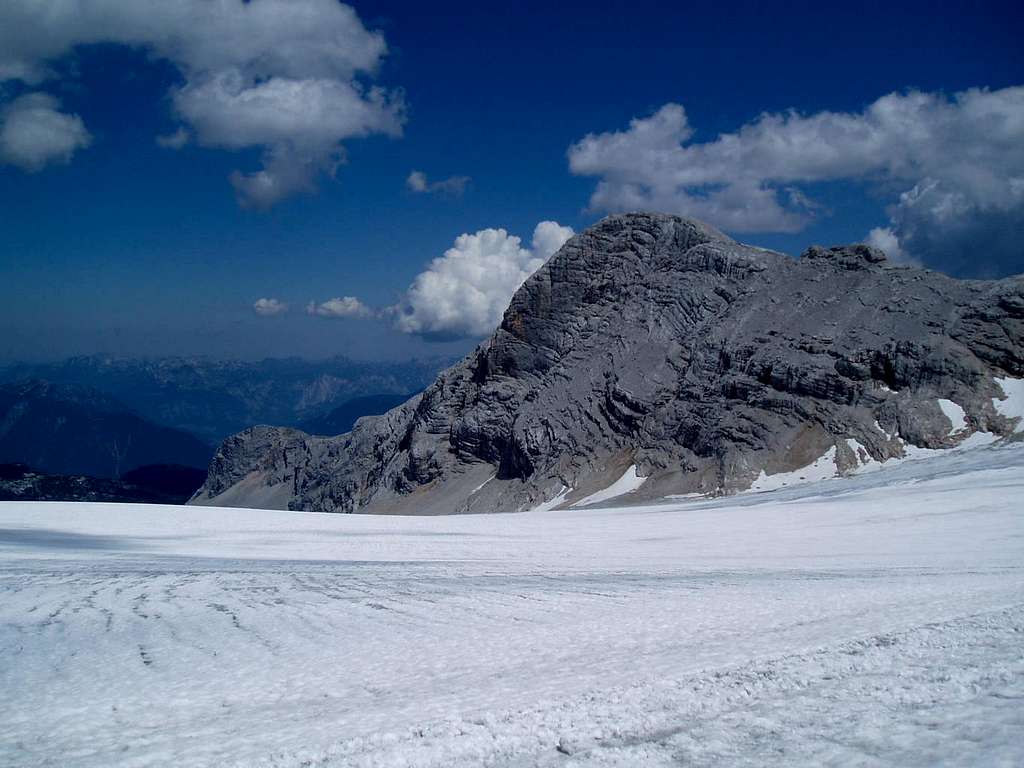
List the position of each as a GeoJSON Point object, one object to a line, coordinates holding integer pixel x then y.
{"type": "Point", "coordinates": [872, 620]}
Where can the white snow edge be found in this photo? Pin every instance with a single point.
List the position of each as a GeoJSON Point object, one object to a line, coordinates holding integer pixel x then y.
{"type": "Point", "coordinates": [628, 483]}
{"type": "Point", "coordinates": [1012, 404]}
{"type": "Point", "coordinates": [956, 415]}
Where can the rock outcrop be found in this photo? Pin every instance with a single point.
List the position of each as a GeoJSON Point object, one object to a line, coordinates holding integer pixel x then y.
{"type": "Point", "coordinates": [658, 345]}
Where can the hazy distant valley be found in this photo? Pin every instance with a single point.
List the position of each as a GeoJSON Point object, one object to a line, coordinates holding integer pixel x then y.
{"type": "Point", "coordinates": [79, 425]}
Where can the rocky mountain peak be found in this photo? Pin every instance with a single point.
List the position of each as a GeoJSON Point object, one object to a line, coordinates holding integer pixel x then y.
{"type": "Point", "coordinates": [657, 348]}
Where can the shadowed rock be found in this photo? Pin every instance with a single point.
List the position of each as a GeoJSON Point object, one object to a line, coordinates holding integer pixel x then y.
{"type": "Point", "coordinates": [658, 341]}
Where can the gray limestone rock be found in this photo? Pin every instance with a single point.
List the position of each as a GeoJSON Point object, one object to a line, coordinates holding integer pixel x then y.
{"type": "Point", "coordinates": [657, 341]}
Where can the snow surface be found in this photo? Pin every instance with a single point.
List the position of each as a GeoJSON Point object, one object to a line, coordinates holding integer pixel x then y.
{"type": "Point", "coordinates": [956, 415]}
{"type": "Point", "coordinates": [873, 620]}
{"type": "Point", "coordinates": [629, 482]}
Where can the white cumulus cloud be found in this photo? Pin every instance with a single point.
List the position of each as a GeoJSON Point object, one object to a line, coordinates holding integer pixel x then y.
{"type": "Point", "coordinates": [285, 76]}
{"type": "Point", "coordinates": [956, 165]}
{"type": "Point", "coordinates": [35, 133]}
{"type": "Point", "coordinates": [886, 241]}
{"type": "Point", "coordinates": [465, 292]}
{"type": "Point", "coordinates": [269, 307]}
{"type": "Point", "coordinates": [343, 306]}
{"type": "Point", "coordinates": [453, 186]}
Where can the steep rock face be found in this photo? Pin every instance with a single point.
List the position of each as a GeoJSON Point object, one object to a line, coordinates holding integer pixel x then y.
{"type": "Point", "coordinates": [659, 342]}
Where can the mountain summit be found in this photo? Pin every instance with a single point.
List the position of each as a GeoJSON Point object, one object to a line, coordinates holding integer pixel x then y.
{"type": "Point", "coordinates": [655, 355]}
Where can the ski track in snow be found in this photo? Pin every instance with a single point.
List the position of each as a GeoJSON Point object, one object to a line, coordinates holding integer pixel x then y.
{"type": "Point", "coordinates": [872, 620]}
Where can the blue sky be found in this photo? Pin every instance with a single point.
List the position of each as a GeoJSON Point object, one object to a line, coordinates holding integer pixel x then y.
{"type": "Point", "coordinates": [113, 244]}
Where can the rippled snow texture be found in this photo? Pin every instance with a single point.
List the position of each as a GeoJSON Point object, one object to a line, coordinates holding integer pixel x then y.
{"type": "Point", "coordinates": [874, 620]}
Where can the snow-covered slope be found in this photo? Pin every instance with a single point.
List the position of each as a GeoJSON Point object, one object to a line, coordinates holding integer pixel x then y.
{"type": "Point", "coordinates": [871, 620]}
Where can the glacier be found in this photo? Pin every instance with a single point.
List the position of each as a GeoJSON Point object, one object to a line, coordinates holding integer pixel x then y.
{"type": "Point", "coordinates": [869, 620]}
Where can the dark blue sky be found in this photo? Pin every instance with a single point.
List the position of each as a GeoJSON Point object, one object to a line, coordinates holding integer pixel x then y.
{"type": "Point", "coordinates": [135, 249]}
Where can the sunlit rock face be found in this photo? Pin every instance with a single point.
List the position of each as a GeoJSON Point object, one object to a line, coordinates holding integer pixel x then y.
{"type": "Point", "coordinates": [657, 345]}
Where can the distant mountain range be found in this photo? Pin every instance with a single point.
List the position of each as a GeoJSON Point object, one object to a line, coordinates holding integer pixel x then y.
{"type": "Point", "coordinates": [71, 430]}
{"type": "Point", "coordinates": [213, 398]}
{"type": "Point", "coordinates": [85, 424]}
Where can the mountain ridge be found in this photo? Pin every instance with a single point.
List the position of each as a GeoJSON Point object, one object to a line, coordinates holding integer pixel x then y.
{"type": "Point", "coordinates": [214, 398]}
{"type": "Point", "coordinates": [341, 419]}
{"type": "Point", "coordinates": [657, 343]}
{"type": "Point", "coordinates": [67, 429]}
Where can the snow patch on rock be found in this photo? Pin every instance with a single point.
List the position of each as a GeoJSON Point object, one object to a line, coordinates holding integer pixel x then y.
{"type": "Point", "coordinates": [485, 482]}
{"type": "Point", "coordinates": [822, 468]}
{"type": "Point", "coordinates": [553, 502]}
{"type": "Point", "coordinates": [628, 483]}
{"type": "Point", "coordinates": [956, 415]}
{"type": "Point", "coordinates": [1012, 404]}
{"type": "Point", "coordinates": [888, 435]}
